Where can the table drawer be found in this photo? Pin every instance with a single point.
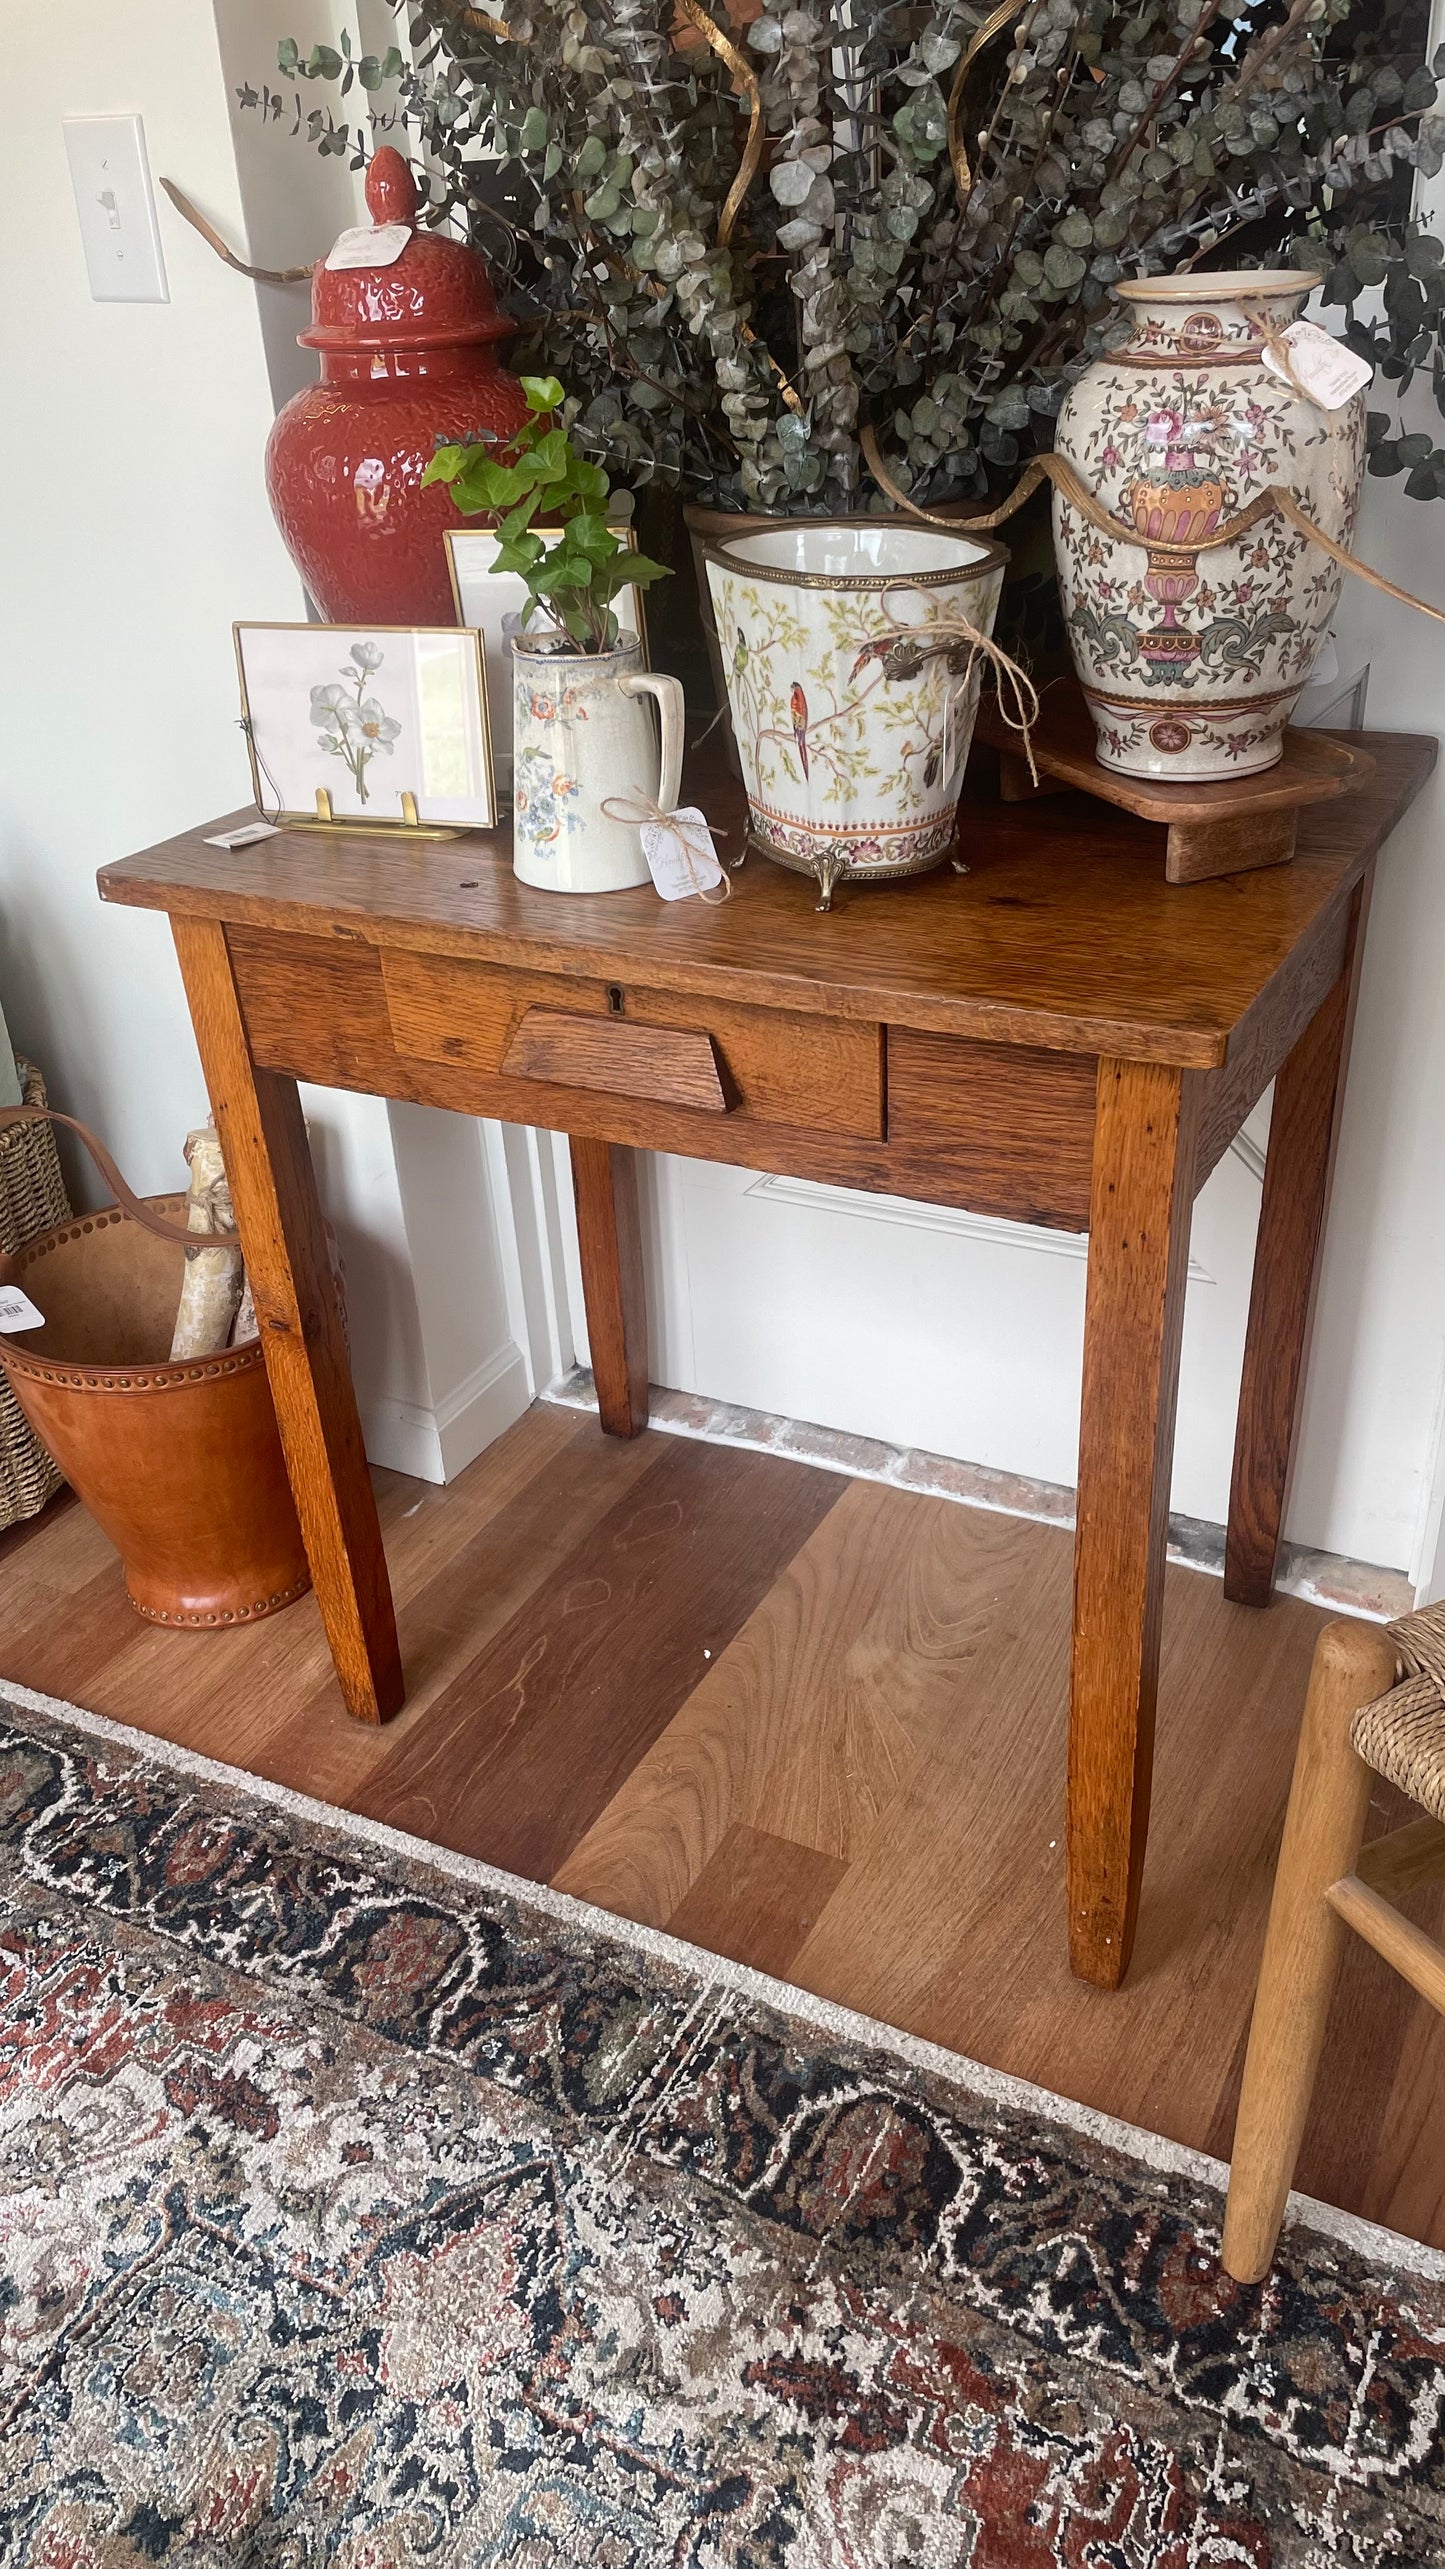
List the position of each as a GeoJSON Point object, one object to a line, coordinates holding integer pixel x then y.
{"type": "Point", "coordinates": [817, 1074]}
{"type": "Point", "coordinates": [1005, 1128]}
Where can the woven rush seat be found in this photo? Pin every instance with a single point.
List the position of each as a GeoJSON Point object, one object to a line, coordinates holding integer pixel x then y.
{"type": "Point", "coordinates": [1401, 1735]}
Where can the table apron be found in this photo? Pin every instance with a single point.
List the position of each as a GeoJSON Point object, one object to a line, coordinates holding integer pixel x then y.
{"type": "Point", "coordinates": [998, 1129]}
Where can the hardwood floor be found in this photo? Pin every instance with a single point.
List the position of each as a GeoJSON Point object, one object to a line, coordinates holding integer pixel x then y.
{"type": "Point", "coordinates": [814, 1724]}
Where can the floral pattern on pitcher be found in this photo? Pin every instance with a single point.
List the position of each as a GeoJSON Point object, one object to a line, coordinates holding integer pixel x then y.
{"type": "Point", "coordinates": [545, 802]}
{"type": "Point", "coordinates": [1175, 434]}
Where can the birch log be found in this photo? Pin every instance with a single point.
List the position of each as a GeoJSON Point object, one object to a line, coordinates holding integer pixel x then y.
{"type": "Point", "coordinates": [244, 1328]}
{"type": "Point", "coordinates": [211, 1290]}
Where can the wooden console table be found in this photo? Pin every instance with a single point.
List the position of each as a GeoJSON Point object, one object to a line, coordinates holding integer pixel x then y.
{"type": "Point", "coordinates": [1059, 1037]}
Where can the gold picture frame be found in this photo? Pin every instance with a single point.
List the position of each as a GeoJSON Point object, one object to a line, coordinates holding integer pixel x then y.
{"type": "Point", "coordinates": [278, 741]}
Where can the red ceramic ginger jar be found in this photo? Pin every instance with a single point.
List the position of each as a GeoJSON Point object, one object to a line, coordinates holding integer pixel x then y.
{"type": "Point", "coordinates": [407, 357]}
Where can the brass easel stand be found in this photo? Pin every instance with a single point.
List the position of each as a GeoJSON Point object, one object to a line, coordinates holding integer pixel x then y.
{"type": "Point", "coordinates": [408, 826]}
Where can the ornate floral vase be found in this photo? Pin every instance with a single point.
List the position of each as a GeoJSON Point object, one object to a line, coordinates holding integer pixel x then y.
{"type": "Point", "coordinates": [583, 738]}
{"type": "Point", "coordinates": [1192, 661]}
{"type": "Point", "coordinates": [853, 686]}
{"type": "Point", "coordinates": [408, 356]}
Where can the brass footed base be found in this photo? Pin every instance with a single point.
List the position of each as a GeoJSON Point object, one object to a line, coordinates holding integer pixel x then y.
{"type": "Point", "coordinates": [829, 870]}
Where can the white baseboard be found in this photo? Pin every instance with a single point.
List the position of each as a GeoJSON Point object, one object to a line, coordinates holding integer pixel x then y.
{"type": "Point", "coordinates": [437, 1444]}
{"type": "Point", "coordinates": [1324, 1578]}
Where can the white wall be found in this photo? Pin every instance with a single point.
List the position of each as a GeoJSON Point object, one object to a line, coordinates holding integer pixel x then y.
{"type": "Point", "coordinates": [1372, 1419]}
{"type": "Point", "coordinates": [134, 527]}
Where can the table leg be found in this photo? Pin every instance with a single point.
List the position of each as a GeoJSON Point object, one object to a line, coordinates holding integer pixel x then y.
{"type": "Point", "coordinates": [609, 1232]}
{"type": "Point", "coordinates": [273, 1188]}
{"type": "Point", "coordinates": [1304, 1127]}
{"type": "Point", "coordinates": [1144, 1138]}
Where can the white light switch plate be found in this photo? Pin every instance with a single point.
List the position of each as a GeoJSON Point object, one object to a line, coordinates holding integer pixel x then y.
{"type": "Point", "coordinates": [117, 210]}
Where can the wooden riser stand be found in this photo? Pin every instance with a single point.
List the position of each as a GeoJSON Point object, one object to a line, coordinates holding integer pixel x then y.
{"type": "Point", "coordinates": [1232, 827]}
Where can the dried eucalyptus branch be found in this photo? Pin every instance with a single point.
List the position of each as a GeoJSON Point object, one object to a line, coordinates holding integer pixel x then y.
{"type": "Point", "coordinates": [601, 140]}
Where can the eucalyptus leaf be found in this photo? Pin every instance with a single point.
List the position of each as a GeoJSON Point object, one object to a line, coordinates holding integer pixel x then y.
{"type": "Point", "coordinates": [791, 182]}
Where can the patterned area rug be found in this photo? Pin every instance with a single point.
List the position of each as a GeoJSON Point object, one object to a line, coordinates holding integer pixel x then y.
{"type": "Point", "coordinates": [361, 2206]}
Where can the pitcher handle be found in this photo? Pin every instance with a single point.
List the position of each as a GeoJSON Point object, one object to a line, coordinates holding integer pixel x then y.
{"type": "Point", "coordinates": [671, 707]}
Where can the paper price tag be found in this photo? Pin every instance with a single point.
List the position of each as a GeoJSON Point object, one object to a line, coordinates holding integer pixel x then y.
{"type": "Point", "coordinates": [246, 837]}
{"type": "Point", "coordinates": [369, 245]}
{"type": "Point", "coordinates": [1329, 373]}
{"type": "Point", "coordinates": [17, 1311]}
{"type": "Point", "coordinates": [681, 866]}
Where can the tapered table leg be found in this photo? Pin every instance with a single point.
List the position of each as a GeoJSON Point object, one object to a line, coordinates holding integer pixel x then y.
{"type": "Point", "coordinates": [273, 1188]}
{"type": "Point", "coordinates": [609, 1232]}
{"type": "Point", "coordinates": [1304, 1128]}
{"type": "Point", "coordinates": [1144, 1138]}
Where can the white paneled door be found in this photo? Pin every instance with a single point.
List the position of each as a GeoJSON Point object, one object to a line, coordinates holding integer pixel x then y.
{"type": "Point", "coordinates": [924, 1327]}
{"type": "Point", "coordinates": [949, 1332]}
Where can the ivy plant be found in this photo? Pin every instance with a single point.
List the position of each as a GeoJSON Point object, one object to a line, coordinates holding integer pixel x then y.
{"type": "Point", "coordinates": [542, 475]}
{"type": "Point", "coordinates": [927, 232]}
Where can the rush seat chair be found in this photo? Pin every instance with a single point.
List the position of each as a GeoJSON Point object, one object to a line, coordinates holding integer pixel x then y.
{"type": "Point", "coordinates": [1376, 1706]}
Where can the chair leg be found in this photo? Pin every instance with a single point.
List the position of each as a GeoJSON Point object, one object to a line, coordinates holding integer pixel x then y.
{"type": "Point", "coordinates": [1323, 1827]}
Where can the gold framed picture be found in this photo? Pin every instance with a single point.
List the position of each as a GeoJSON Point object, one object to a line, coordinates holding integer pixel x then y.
{"type": "Point", "coordinates": [486, 600]}
{"type": "Point", "coordinates": [383, 725]}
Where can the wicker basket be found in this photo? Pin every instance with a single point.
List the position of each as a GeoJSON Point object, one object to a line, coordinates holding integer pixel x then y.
{"type": "Point", "coordinates": [32, 1198]}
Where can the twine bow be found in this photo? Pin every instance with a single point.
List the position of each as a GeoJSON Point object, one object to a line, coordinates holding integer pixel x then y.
{"type": "Point", "coordinates": [1277, 342]}
{"type": "Point", "coordinates": [638, 810]}
{"type": "Point", "coordinates": [952, 632]}
{"type": "Point", "coordinates": [1274, 500]}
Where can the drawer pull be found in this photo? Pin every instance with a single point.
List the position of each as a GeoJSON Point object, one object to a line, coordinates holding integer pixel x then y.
{"type": "Point", "coordinates": [681, 1065]}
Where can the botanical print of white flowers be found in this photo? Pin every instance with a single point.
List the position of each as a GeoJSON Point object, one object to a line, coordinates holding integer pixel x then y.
{"type": "Point", "coordinates": [354, 725]}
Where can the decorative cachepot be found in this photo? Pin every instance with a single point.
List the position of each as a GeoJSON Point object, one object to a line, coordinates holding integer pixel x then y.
{"type": "Point", "coordinates": [1192, 662]}
{"type": "Point", "coordinates": [582, 737]}
{"type": "Point", "coordinates": [852, 727]}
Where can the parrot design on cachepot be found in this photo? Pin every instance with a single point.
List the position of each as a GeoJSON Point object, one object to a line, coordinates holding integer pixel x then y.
{"type": "Point", "coordinates": [798, 707]}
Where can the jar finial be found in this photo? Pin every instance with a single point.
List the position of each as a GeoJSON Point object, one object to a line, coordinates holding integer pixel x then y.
{"type": "Point", "coordinates": [391, 195]}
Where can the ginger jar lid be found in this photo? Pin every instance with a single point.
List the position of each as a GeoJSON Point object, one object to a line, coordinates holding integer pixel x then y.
{"type": "Point", "coordinates": [390, 284]}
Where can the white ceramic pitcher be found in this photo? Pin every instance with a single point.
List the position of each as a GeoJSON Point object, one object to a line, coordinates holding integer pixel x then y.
{"type": "Point", "coordinates": [582, 737]}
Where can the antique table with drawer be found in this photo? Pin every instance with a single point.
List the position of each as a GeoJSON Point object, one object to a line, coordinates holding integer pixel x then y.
{"type": "Point", "coordinates": [1058, 1037]}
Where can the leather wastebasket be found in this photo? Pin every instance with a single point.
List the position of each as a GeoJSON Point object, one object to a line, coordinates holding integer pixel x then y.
{"type": "Point", "coordinates": [181, 1463]}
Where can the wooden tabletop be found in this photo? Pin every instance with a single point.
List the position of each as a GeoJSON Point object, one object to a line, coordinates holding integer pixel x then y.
{"type": "Point", "coordinates": [1063, 934]}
